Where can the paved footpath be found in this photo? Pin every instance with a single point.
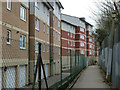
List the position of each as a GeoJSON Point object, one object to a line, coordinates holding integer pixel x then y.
{"type": "Point", "coordinates": [91, 78]}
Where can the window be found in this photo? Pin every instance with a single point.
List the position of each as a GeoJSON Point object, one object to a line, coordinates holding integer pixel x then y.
{"type": "Point", "coordinates": [59, 51]}
{"type": "Point", "coordinates": [53, 18]}
{"type": "Point", "coordinates": [81, 29]}
{"type": "Point", "coordinates": [22, 41]}
{"type": "Point", "coordinates": [82, 37]}
{"type": "Point", "coordinates": [90, 40]}
{"type": "Point", "coordinates": [68, 51]}
{"type": "Point", "coordinates": [43, 8]}
{"type": "Point", "coordinates": [47, 29]}
{"type": "Point", "coordinates": [8, 36]}
{"type": "Point", "coordinates": [43, 27]}
{"type": "Point", "coordinates": [71, 43]}
{"type": "Point", "coordinates": [43, 47]}
{"type": "Point", "coordinates": [47, 48]}
{"type": "Point", "coordinates": [23, 13]}
{"type": "Point", "coordinates": [58, 23]}
{"type": "Point", "coordinates": [82, 52]}
{"type": "Point", "coordinates": [9, 4]}
{"type": "Point", "coordinates": [97, 53]}
{"type": "Point", "coordinates": [58, 37]}
{"type": "Point", "coordinates": [90, 52]}
{"type": "Point", "coordinates": [36, 4]}
{"type": "Point", "coordinates": [37, 24]}
{"type": "Point", "coordinates": [36, 47]}
{"type": "Point", "coordinates": [90, 46]}
{"type": "Point", "coordinates": [82, 44]}
{"type": "Point", "coordinates": [68, 34]}
{"type": "Point", "coordinates": [90, 33]}
{"type": "Point", "coordinates": [68, 42]}
{"type": "Point", "coordinates": [71, 35]}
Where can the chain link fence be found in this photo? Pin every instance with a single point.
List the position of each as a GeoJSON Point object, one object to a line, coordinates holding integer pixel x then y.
{"type": "Point", "coordinates": [60, 66]}
{"type": "Point", "coordinates": [109, 58]}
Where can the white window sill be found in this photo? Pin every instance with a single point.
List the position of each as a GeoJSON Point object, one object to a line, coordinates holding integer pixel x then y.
{"type": "Point", "coordinates": [37, 29]}
{"type": "Point", "coordinates": [9, 9]}
{"type": "Point", "coordinates": [8, 43]}
{"type": "Point", "coordinates": [23, 19]}
{"type": "Point", "coordinates": [22, 48]}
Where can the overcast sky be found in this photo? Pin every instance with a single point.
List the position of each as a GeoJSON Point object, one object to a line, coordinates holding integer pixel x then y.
{"type": "Point", "coordinates": [80, 8]}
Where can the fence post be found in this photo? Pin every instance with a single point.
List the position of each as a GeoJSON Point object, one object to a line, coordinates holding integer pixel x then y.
{"type": "Point", "coordinates": [70, 62]}
{"type": "Point", "coordinates": [39, 68]}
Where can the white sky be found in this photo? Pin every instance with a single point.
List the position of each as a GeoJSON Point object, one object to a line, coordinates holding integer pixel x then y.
{"type": "Point", "coordinates": [79, 8]}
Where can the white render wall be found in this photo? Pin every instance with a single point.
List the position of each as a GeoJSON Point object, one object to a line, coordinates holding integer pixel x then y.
{"type": "Point", "coordinates": [40, 11]}
{"type": "Point", "coordinates": [68, 27]}
{"type": "Point", "coordinates": [57, 10]}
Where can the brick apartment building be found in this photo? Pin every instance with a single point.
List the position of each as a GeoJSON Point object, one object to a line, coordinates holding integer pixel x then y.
{"type": "Point", "coordinates": [77, 35]}
{"type": "Point", "coordinates": [14, 30]}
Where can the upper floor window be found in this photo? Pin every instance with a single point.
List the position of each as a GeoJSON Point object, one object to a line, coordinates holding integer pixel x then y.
{"type": "Point", "coordinates": [81, 29]}
{"type": "Point", "coordinates": [59, 51]}
{"type": "Point", "coordinates": [90, 40]}
{"type": "Point", "coordinates": [37, 24]}
{"type": "Point", "coordinates": [47, 48]}
{"type": "Point", "coordinates": [82, 52]}
{"type": "Point", "coordinates": [9, 4]}
{"type": "Point", "coordinates": [36, 47]}
{"type": "Point", "coordinates": [43, 47]}
{"type": "Point", "coordinates": [90, 46]}
{"type": "Point", "coordinates": [43, 27]}
{"type": "Point", "coordinates": [23, 13]}
{"type": "Point", "coordinates": [68, 33]}
{"type": "Point", "coordinates": [71, 43]}
{"type": "Point", "coordinates": [82, 37]}
{"type": "Point", "coordinates": [58, 23]}
{"type": "Point", "coordinates": [90, 52]}
{"type": "Point", "coordinates": [22, 41]}
{"type": "Point", "coordinates": [71, 35]}
{"type": "Point", "coordinates": [8, 36]}
{"type": "Point", "coordinates": [47, 29]}
{"type": "Point", "coordinates": [82, 44]}
{"type": "Point", "coordinates": [36, 4]}
{"type": "Point", "coordinates": [90, 33]}
{"type": "Point", "coordinates": [58, 37]}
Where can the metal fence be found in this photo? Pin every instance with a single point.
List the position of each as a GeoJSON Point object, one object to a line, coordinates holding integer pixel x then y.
{"type": "Point", "coordinates": [58, 66]}
{"type": "Point", "coordinates": [109, 58]}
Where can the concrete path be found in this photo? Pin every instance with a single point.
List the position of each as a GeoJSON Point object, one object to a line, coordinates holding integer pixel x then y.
{"type": "Point", "coordinates": [91, 78]}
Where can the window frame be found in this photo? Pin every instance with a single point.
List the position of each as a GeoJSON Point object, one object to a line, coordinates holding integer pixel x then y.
{"type": "Point", "coordinates": [9, 37]}
{"type": "Point", "coordinates": [44, 27]}
{"type": "Point", "coordinates": [37, 23]}
{"type": "Point", "coordinates": [36, 47]}
{"type": "Point", "coordinates": [23, 41]}
{"type": "Point", "coordinates": [22, 8]}
{"type": "Point", "coordinates": [9, 3]}
{"type": "Point", "coordinates": [44, 48]}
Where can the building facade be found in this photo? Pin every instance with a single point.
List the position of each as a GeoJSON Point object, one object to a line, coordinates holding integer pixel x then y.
{"type": "Point", "coordinates": [45, 29]}
{"type": "Point", "coordinates": [14, 30]}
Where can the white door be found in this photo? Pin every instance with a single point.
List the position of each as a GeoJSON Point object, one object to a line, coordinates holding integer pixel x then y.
{"type": "Point", "coordinates": [46, 71]}
{"type": "Point", "coordinates": [38, 73]}
{"type": "Point", "coordinates": [0, 78]}
{"type": "Point", "coordinates": [10, 77]}
{"type": "Point", "coordinates": [53, 69]}
{"type": "Point", "coordinates": [41, 72]}
{"type": "Point", "coordinates": [22, 76]}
